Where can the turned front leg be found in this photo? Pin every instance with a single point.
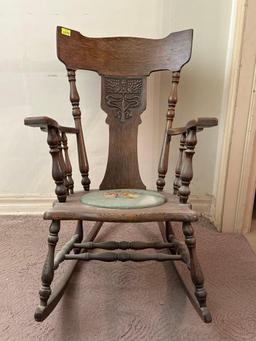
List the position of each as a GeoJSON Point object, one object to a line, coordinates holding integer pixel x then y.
{"type": "Point", "coordinates": [48, 268]}
{"type": "Point", "coordinates": [195, 268]}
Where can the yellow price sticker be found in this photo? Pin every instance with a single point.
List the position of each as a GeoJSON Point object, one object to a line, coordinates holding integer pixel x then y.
{"type": "Point", "coordinates": [66, 31]}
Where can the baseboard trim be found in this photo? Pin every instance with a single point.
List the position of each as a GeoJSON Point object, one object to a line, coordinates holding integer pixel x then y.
{"type": "Point", "coordinates": [29, 205]}
{"type": "Point", "coordinates": [202, 204]}
{"type": "Point", "coordinates": [17, 205]}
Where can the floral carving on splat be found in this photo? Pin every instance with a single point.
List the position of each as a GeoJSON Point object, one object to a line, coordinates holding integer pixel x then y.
{"type": "Point", "coordinates": [123, 95]}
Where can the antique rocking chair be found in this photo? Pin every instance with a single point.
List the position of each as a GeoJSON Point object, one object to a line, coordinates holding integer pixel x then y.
{"type": "Point", "coordinates": [123, 64]}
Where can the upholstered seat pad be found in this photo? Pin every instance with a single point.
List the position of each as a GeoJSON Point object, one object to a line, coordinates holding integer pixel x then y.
{"type": "Point", "coordinates": [74, 209]}
{"type": "Point", "coordinates": [123, 198]}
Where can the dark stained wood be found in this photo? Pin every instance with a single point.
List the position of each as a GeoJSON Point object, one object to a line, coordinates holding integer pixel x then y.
{"type": "Point", "coordinates": [69, 130]}
{"type": "Point", "coordinates": [123, 99]}
{"type": "Point", "coordinates": [177, 181]}
{"type": "Point", "coordinates": [168, 234]}
{"type": "Point", "coordinates": [80, 232]}
{"type": "Point", "coordinates": [123, 63]}
{"type": "Point", "coordinates": [48, 270]}
{"type": "Point", "coordinates": [196, 271]}
{"type": "Point", "coordinates": [178, 247]}
{"type": "Point", "coordinates": [68, 166]}
{"type": "Point", "coordinates": [82, 157]}
{"type": "Point", "coordinates": [123, 245]}
{"type": "Point", "coordinates": [187, 169]}
{"type": "Point", "coordinates": [58, 171]}
{"type": "Point", "coordinates": [164, 158]}
{"type": "Point", "coordinates": [63, 164]}
{"type": "Point", "coordinates": [68, 246]}
{"type": "Point", "coordinates": [123, 257]}
{"type": "Point", "coordinates": [92, 234]}
{"type": "Point", "coordinates": [44, 122]}
{"type": "Point", "coordinates": [199, 124]}
{"type": "Point", "coordinates": [41, 121]}
{"type": "Point", "coordinates": [73, 209]}
{"type": "Point", "coordinates": [43, 311]}
{"type": "Point", "coordinates": [124, 56]}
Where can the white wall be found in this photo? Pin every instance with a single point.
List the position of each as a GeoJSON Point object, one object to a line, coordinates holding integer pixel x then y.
{"type": "Point", "coordinates": [33, 82]}
{"type": "Point", "coordinates": [202, 79]}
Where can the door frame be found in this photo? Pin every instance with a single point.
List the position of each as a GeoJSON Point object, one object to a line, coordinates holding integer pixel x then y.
{"type": "Point", "coordinates": [236, 167]}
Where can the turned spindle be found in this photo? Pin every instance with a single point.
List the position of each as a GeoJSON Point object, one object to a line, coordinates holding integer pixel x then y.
{"type": "Point", "coordinates": [70, 181]}
{"type": "Point", "coordinates": [177, 181]}
{"type": "Point", "coordinates": [58, 171]}
{"type": "Point", "coordinates": [187, 169]}
{"type": "Point", "coordinates": [63, 163]}
{"type": "Point", "coordinates": [195, 268]}
{"type": "Point", "coordinates": [82, 157]}
{"type": "Point", "coordinates": [48, 268]}
{"type": "Point", "coordinates": [163, 163]}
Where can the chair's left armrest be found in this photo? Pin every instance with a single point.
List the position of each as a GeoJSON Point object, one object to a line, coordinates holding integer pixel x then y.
{"type": "Point", "coordinates": [188, 140]}
{"type": "Point", "coordinates": [199, 125]}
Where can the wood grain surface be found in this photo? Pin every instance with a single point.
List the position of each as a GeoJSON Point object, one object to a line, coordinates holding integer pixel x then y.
{"type": "Point", "coordinates": [73, 209]}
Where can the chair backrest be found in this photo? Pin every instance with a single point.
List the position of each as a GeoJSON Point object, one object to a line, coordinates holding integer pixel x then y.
{"type": "Point", "coordinates": [123, 64]}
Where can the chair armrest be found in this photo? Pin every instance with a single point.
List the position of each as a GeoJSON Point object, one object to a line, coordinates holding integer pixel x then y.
{"type": "Point", "coordinates": [188, 141]}
{"type": "Point", "coordinates": [57, 141]}
{"type": "Point", "coordinates": [199, 124]}
{"type": "Point", "coordinates": [44, 122]}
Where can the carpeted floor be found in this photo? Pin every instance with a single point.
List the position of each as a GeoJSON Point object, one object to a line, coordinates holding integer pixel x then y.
{"type": "Point", "coordinates": [125, 301]}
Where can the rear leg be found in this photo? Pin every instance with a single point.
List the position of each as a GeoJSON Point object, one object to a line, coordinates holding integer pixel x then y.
{"type": "Point", "coordinates": [196, 271]}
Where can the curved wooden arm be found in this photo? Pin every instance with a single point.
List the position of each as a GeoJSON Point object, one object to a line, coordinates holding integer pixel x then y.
{"type": "Point", "coordinates": [44, 122]}
{"type": "Point", "coordinates": [57, 141]}
{"type": "Point", "coordinates": [188, 140]}
{"type": "Point", "coordinates": [199, 124]}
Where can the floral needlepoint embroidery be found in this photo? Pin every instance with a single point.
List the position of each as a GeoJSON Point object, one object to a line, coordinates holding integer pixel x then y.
{"type": "Point", "coordinates": [123, 195]}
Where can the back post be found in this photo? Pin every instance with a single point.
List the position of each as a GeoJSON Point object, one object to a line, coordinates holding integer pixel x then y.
{"type": "Point", "coordinates": [172, 101]}
{"type": "Point", "coordinates": [82, 157]}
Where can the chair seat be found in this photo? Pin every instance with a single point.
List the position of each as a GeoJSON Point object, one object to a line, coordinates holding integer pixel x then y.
{"type": "Point", "coordinates": [93, 207]}
{"type": "Point", "coordinates": [123, 198]}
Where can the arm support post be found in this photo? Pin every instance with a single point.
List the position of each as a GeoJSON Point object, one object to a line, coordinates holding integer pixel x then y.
{"type": "Point", "coordinates": [188, 140]}
{"type": "Point", "coordinates": [58, 172]}
{"type": "Point", "coordinates": [187, 169]}
{"type": "Point", "coordinates": [57, 141]}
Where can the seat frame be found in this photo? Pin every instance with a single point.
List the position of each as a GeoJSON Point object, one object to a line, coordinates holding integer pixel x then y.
{"type": "Point", "coordinates": [123, 64]}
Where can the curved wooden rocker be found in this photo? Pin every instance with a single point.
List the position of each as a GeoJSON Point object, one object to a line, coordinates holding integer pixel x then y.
{"type": "Point", "coordinates": [47, 304]}
{"type": "Point", "coordinates": [123, 64]}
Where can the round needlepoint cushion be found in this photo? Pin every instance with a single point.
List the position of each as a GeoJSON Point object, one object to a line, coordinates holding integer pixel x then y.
{"type": "Point", "coordinates": [123, 198]}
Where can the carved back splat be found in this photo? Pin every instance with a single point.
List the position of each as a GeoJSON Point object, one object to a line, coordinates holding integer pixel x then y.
{"type": "Point", "coordinates": [123, 99]}
{"type": "Point", "coordinates": [123, 63]}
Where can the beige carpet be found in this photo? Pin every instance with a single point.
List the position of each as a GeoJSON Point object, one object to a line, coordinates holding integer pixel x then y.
{"type": "Point", "coordinates": [126, 301]}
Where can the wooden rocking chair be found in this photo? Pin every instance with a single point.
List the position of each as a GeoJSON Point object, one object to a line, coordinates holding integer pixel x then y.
{"type": "Point", "coordinates": [123, 64]}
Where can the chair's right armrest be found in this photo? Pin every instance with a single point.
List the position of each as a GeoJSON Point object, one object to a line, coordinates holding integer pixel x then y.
{"type": "Point", "coordinates": [199, 124]}
{"type": "Point", "coordinates": [44, 122]}
{"type": "Point", "coordinates": [54, 141]}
